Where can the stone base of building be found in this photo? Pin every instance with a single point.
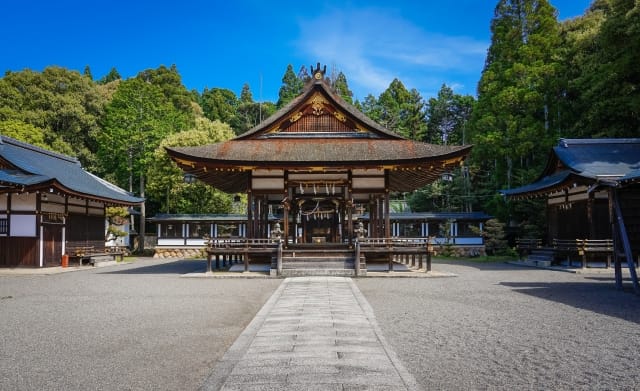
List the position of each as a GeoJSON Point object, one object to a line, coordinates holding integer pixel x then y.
{"type": "Point", "coordinates": [183, 252]}
{"type": "Point", "coordinates": [459, 251]}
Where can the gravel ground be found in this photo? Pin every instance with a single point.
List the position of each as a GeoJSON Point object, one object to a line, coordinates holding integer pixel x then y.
{"type": "Point", "coordinates": [504, 327]}
{"type": "Point", "coordinates": [142, 327]}
{"type": "Point", "coordinates": [127, 327]}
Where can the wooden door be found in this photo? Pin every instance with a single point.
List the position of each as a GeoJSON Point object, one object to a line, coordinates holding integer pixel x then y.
{"type": "Point", "coordinates": [52, 240]}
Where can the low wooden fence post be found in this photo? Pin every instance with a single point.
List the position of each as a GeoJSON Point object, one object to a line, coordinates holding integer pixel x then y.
{"type": "Point", "coordinates": [279, 259]}
{"type": "Point", "coordinates": [357, 259]}
{"type": "Point", "coordinates": [209, 255]}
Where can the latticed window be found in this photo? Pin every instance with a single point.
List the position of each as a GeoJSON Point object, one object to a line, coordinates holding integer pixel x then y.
{"type": "Point", "coordinates": [4, 226]}
{"type": "Point", "coordinates": [198, 230]}
{"type": "Point", "coordinates": [321, 123]}
{"type": "Point", "coordinates": [171, 230]}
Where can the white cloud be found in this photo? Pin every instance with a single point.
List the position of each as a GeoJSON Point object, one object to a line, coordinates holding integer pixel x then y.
{"type": "Point", "coordinates": [372, 46]}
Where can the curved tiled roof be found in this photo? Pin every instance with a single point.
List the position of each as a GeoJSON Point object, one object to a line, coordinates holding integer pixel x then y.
{"type": "Point", "coordinates": [326, 151]}
{"type": "Point", "coordinates": [318, 131]}
{"type": "Point", "coordinates": [585, 161]}
{"type": "Point", "coordinates": [28, 166]}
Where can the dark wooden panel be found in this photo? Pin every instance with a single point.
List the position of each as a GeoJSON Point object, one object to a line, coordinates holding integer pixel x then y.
{"type": "Point", "coordinates": [84, 229]}
{"type": "Point", "coordinates": [18, 252]}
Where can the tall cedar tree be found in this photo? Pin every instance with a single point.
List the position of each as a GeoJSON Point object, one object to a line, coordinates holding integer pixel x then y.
{"type": "Point", "coordinates": [611, 82]}
{"type": "Point", "coordinates": [512, 128]}
{"type": "Point", "coordinates": [399, 110]}
{"type": "Point", "coordinates": [341, 87]}
{"type": "Point", "coordinates": [447, 117]}
{"type": "Point", "coordinates": [580, 54]}
{"type": "Point", "coordinates": [291, 87]}
{"type": "Point", "coordinates": [250, 113]}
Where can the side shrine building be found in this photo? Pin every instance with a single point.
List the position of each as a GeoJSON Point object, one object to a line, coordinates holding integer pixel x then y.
{"type": "Point", "coordinates": [592, 192]}
{"type": "Point", "coordinates": [49, 204]}
{"type": "Point", "coordinates": [315, 161]}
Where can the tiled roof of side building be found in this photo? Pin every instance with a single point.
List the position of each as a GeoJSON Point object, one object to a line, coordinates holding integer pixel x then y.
{"type": "Point", "coordinates": [585, 161]}
{"type": "Point", "coordinates": [32, 166]}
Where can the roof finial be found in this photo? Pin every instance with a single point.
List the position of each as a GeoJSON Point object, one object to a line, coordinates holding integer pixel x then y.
{"type": "Point", "coordinates": [317, 73]}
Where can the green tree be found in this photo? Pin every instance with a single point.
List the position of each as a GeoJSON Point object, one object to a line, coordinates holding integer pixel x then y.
{"type": "Point", "coordinates": [138, 117]}
{"type": "Point", "coordinates": [170, 82]}
{"type": "Point", "coordinates": [63, 103]}
{"type": "Point", "coordinates": [28, 133]}
{"type": "Point", "coordinates": [371, 107]}
{"type": "Point", "coordinates": [401, 110]}
{"type": "Point", "coordinates": [166, 185]}
{"type": "Point", "coordinates": [250, 113]}
{"type": "Point", "coordinates": [341, 87]}
{"type": "Point", "coordinates": [219, 104]}
{"type": "Point", "coordinates": [448, 115]}
{"type": "Point", "coordinates": [609, 82]}
{"type": "Point", "coordinates": [579, 55]}
{"type": "Point", "coordinates": [113, 75]}
{"type": "Point", "coordinates": [87, 72]}
{"type": "Point", "coordinates": [291, 87]}
{"type": "Point", "coordinates": [512, 129]}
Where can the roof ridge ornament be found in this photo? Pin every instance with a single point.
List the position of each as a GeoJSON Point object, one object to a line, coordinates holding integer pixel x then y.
{"type": "Point", "coordinates": [317, 73]}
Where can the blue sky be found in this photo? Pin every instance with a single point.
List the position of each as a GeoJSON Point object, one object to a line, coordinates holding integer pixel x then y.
{"type": "Point", "coordinates": [424, 43]}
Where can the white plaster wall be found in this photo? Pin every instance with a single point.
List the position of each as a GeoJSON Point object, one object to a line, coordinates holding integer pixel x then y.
{"type": "Point", "coordinates": [23, 202]}
{"type": "Point", "coordinates": [56, 208]}
{"type": "Point", "coordinates": [22, 225]}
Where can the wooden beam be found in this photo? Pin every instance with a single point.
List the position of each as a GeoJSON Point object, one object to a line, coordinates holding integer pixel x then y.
{"type": "Point", "coordinates": [624, 239]}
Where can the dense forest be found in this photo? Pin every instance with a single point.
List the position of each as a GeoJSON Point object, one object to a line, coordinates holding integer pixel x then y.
{"type": "Point", "coordinates": [542, 80]}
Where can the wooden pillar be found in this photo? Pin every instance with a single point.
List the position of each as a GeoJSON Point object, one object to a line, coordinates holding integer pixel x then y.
{"type": "Point", "coordinates": [349, 205]}
{"type": "Point", "coordinates": [373, 211]}
{"type": "Point", "coordinates": [286, 206]}
{"type": "Point", "coordinates": [387, 217]}
{"type": "Point", "coordinates": [592, 229]}
{"type": "Point", "coordinates": [624, 240]}
{"type": "Point", "coordinates": [373, 220]}
{"type": "Point", "coordinates": [209, 261]}
{"type": "Point", "coordinates": [250, 227]}
{"type": "Point", "coordinates": [617, 265]}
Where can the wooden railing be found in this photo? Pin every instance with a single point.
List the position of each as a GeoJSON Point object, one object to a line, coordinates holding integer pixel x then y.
{"type": "Point", "coordinates": [243, 248]}
{"type": "Point", "coordinates": [403, 248]}
{"type": "Point", "coordinates": [409, 250]}
{"type": "Point", "coordinates": [583, 248]}
{"type": "Point", "coordinates": [524, 246]}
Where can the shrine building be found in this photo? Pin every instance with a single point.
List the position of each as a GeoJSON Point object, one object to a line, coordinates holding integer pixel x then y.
{"type": "Point", "coordinates": [317, 162]}
{"type": "Point", "coordinates": [317, 158]}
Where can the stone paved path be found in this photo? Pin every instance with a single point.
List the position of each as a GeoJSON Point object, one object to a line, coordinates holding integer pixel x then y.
{"type": "Point", "coordinates": [314, 333]}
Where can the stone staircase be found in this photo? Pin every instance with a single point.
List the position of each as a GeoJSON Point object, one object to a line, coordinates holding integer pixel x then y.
{"type": "Point", "coordinates": [541, 257]}
{"type": "Point", "coordinates": [328, 262]}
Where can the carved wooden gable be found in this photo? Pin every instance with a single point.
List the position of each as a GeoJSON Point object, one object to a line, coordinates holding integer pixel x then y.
{"type": "Point", "coordinates": [316, 114]}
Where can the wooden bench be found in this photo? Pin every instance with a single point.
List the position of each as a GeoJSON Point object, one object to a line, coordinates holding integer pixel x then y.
{"type": "Point", "coordinates": [524, 246]}
{"type": "Point", "coordinates": [91, 255]}
{"type": "Point", "coordinates": [566, 248]}
{"type": "Point", "coordinates": [595, 247]}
